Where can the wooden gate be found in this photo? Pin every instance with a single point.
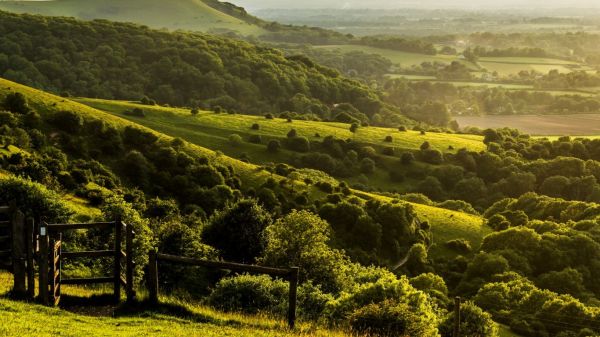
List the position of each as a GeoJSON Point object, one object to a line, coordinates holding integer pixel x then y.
{"type": "Point", "coordinates": [52, 256]}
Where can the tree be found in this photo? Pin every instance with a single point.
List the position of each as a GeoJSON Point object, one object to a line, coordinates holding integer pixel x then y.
{"type": "Point", "coordinates": [407, 158]}
{"type": "Point", "coordinates": [473, 322]}
{"type": "Point", "coordinates": [301, 239]}
{"type": "Point", "coordinates": [273, 146]}
{"type": "Point", "coordinates": [237, 231]}
{"type": "Point", "coordinates": [367, 165]}
{"type": "Point", "coordinates": [425, 146]}
{"type": "Point", "coordinates": [292, 133]}
{"type": "Point", "coordinates": [17, 103]}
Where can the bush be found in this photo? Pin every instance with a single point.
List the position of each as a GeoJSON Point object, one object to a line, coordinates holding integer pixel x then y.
{"type": "Point", "coordinates": [389, 319]}
{"type": "Point", "coordinates": [298, 144]}
{"type": "Point", "coordinates": [235, 140]}
{"type": "Point", "coordinates": [250, 294]}
{"type": "Point", "coordinates": [434, 157]}
{"type": "Point", "coordinates": [402, 129]}
{"type": "Point", "coordinates": [269, 116]}
{"type": "Point", "coordinates": [353, 127]}
{"type": "Point", "coordinates": [237, 231]}
{"type": "Point", "coordinates": [389, 139]}
{"type": "Point", "coordinates": [459, 245]}
{"type": "Point", "coordinates": [473, 322]}
{"type": "Point", "coordinates": [256, 139]}
{"type": "Point", "coordinates": [194, 111]}
{"type": "Point", "coordinates": [255, 126]}
{"type": "Point", "coordinates": [33, 199]}
{"type": "Point", "coordinates": [388, 151]}
{"type": "Point", "coordinates": [292, 133]}
{"type": "Point", "coordinates": [67, 121]}
{"type": "Point", "coordinates": [367, 165]}
{"type": "Point", "coordinates": [273, 146]}
{"type": "Point", "coordinates": [17, 103]}
{"type": "Point", "coordinates": [407, 158]}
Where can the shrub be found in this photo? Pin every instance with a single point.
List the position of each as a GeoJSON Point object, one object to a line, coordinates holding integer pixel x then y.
{"type": "Point", "coordinates": [473, 322]}
{"type": "Point", "coordinates": [425, 146]}
{"type": "Point", "coordinates": [353, 127]}
{"type": "Point", "coordinates": [9, 119]}
{"type": "Point", "coordinates": [367, 165]}
{"type": "Point", "coordinates": [292, 133]}
{"type": "Point", "coordinates": [317, 135]}
{"type": "Point", "coordinates": [269, 116]}
{"type": "Point", "coordinates": [33, 199]}
{"type": "Point", "coordinates": [389, 139]}
{"type": "Point", "coordinates": [402, 129]}
{"type": "Point", "coordinates": [289, 120]}
{"type": "Point", "coordinates": [235, 140]}
{"type": "Point", "coordinates": [388, 151]}
{"type": "Point", "coordinates": [255, 126]}
{"type": "Point", "coordinates": [459, 245]}
{"type": "Point", "coordinates": [250, 294]}
{"type": "Point", "coordinates": [217, 109]}
{"type": "Point", "coordinates": [273, 146]}
{"type": "Point", "coordinates": [389, 319]}
{"type": "Point", "coordinates": [407, 158]}
{"type": "Point", "coordinates": [256, 139]}
{"type": "Point", "coordinates": [237, 231]}
{"type": "Point", "coordinates": [67, 121]}
{"type": "Point", "coordinates": [434, 157]}
{"type": "Point", "coordinates": [138, 112]}
{"type": "Point", "coordinates": [194, 111]}
{"type": "Point", "coordinates": [298, 144]}
{"type": "Point", "coordinates": [16, 102]}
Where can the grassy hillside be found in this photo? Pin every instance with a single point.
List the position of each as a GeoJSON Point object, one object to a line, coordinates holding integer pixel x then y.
{"type": "Point", "coordinates": [208, 124]}
{"type": "Point", "coordinates": [178, 14]}
{"type": "Point", "coordinates": [212, 130]}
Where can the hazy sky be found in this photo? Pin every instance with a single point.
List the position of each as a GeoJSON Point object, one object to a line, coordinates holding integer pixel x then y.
{"type": "Point", "coordinates": [472, 4]}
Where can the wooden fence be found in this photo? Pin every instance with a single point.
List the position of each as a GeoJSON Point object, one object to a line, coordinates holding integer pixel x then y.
{"type": "Point", "coordinates": [51, 257]}
{"type": "Point", "coordinates": [291, 274]}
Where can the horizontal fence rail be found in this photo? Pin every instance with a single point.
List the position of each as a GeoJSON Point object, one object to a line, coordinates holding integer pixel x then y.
{"type": "Point", "coordinates": [291, 274]}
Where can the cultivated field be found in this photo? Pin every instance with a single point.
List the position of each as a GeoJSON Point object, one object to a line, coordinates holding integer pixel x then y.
{"type": "Point", "coordinates": [573, 125]}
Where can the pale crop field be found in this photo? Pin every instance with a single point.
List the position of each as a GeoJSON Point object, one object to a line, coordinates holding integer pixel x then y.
{"type": "Point", "coordinates": [541, 125]}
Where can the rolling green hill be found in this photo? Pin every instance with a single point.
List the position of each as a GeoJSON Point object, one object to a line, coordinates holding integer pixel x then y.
{"type": "Point", "coordinates": [446, 224]}
{"type": "Point", "coordinates": [175, 14]}
{"type": "Point", "coordinates": [212, 130]}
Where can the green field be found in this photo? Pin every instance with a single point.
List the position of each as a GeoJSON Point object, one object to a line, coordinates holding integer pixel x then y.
{"type": "Point", "coordinates": [178, 14]}
{"type": "Point", "coordinates": [540, 125]}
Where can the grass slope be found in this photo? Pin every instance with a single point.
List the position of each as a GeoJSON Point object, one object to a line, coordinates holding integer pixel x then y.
{"type": "Point", "coordinates": [446, 224]}
{"type": "Point", "coordinates": [211, 130]}
{"type": "Point", "coordinates": [173, 14]}
{"type": "Point", "coordinates": [223, 125]}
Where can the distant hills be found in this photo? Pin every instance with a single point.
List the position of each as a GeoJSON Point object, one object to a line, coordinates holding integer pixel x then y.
{"type": "Point", "coordinates": [197, 15]}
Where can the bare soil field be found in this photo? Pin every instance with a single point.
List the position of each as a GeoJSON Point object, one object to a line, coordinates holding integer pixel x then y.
{"type": "Point", "coordinates": [572, 125]}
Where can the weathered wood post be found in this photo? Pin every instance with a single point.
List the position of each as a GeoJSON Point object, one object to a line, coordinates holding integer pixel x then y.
{"type": "Point", "coordinates": [129, 263]}
{"type": "Point", "coordinates": [456, 332]}
{"type": "Point", "coordinates": [18, 254]}
{"type": "Point", "coordinates": [153, 277]}
{"type": "Point", "coordinates": [117, 258]}
{"type": "Point", "coordinates": [43, 262]}
{"type": "Point", "coordinates": [293, 294]}
{"type": "Point", "coordinates": [29, 246]}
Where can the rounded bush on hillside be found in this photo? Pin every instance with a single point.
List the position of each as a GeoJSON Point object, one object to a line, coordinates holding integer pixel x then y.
{"type": "Point", "coordinates": [389, 139]}
{"type": "Point", "coordinates": [269, 116]}
{"type": "Point", "coordinates": [473, 322]}
{"type": "Point", "coordinates": [273, 146]}
{"type": "Point", "coordinates": [390, 319]}
{"type": "Point", "coordinates": [292, 133]}
{"type": "Point", "coordinates": [402, 129]}
{"type": "Point", "coordinates": [235, 140]}
{"type": "Point", "coordinates": [250, 294]}
{"type": "Point", "coordinates": [255, 126]}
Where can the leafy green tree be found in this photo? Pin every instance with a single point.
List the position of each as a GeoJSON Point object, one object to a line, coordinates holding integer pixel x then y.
{"type": "Point", "coordinates": [16, 102]}
{"type": "Point", "coordinates": [237, 231]}
{"type": "Point", "coordinates": [473, 322]}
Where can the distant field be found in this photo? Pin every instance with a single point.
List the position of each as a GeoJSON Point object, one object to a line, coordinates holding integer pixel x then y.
{"type": "Point", "coordinates": [503, 65]}
{"type": "Point", "coordinates": [399, 57]}
{"type": "Point", "coordinates": [573, 125]}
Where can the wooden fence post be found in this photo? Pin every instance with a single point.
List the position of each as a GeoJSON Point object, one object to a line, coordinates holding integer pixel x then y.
{"type": "Point", "coordinates": [18, 254]}
{"type": "Point", "coordinates": [294, 272]}
{"type": "Point", "coordinates": [43, 261]}
{"type": "Point", "coordinates": [153, 277]}
{"type": "Point", "coordinates": [456, 332]}
{"type": "Point", "coordinates": [129, 263]}
{"type": "Point", "coordinates": [117, 258]}
{"type": "Point", "coordinates": [29, 239]}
